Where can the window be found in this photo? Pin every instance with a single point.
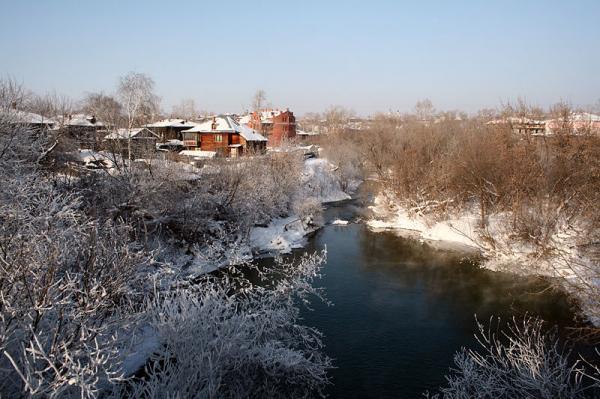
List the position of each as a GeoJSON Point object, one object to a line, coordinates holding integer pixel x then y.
{"type": "Point", "coordinates": [218, 138]}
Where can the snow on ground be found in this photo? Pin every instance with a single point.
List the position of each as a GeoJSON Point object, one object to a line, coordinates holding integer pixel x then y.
{"type": "Point", "coordinates": [340, 222]}
{"type": "Point", "coordinates": [280, 236]}
{"type": "Point", "coordinates": [389, 216]}
{"type": "Point", "coordinates": [502, 252]}
{"type": "Point", "coordinates": [98, 159]}
{"type": "Point", "coordinates": [176, 171]}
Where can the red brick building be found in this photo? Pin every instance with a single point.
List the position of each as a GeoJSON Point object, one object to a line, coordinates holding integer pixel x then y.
{"type": "Point", "coordinates": [276, 125]}
{"type": "Point", "coordinates": [224, 136]}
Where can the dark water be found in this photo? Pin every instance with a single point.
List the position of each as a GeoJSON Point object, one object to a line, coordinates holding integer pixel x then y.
{"type": "Point", "coordinates": [401, 309]}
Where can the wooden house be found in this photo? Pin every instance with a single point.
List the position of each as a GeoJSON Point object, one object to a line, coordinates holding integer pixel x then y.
{"type": "Point", "coordinates": [132, 143]}
{"type": "Point", "coordinates": [170, 129]}
{"type": "Point", "coordinates": [224, 136]}
{"type": "Point", "coordinates": [82, 130]}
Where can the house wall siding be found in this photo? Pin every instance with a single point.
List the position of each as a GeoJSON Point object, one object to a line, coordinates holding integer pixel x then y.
{"type": "Point", "coordinates": [208, 142]}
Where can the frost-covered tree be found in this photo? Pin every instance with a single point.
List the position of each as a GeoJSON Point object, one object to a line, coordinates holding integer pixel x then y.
{"type": "Point", "coordinates": [136, 93]}
{"type": "Point", "coordinates": [140, 103]}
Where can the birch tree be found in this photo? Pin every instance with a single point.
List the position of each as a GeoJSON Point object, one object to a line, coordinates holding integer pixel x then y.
{"type": "Point", "coordinates": [140, 103]}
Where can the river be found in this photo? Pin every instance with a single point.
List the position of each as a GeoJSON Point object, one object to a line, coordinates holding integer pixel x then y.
{"type": "Point", "coordinates": [401, 309]}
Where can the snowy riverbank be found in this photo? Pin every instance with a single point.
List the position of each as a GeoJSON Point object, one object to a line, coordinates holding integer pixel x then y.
{"type": "Point", "coordinates": [500, 249]}
{"type": "Point", "coordinates": [320, 185]}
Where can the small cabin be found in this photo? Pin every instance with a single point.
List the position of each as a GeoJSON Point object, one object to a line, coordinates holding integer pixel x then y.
{"type": "Point", "coordinates": [83, 130]}
{"type": "Point", "coordinates": [132, 143]}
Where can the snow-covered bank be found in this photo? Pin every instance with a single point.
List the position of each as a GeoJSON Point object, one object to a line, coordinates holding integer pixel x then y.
{"type": "Point", "coordinates": [388, 216]}
{"type": "Point", "coordinates": [280, 236]}
{"type": "Point", "coordinates": [500, 249]}
{"type": "Point", "coordinates": [319, 185]}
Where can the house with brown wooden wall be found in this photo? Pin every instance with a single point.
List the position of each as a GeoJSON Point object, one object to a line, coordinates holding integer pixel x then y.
{"type": "Point", "coordinates": [223, 135]}
{"type": "Point", "coordinates": [131, 143]}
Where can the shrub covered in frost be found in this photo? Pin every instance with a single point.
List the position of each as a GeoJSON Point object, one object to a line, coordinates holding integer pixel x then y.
{"type": "Point", "coordinates": [248, 343]}
{"type": "Point", "coordinates": [521, 361]}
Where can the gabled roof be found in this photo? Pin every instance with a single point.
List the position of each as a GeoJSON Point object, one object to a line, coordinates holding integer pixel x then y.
{"type": "Point", "coordinates": [126, 134]}
{"type": "Point", "coordinates": [171, 123]}
{"type": "Point", "coordinates": [250, 134]}
{"type": "Point", "coordinates": [226, 124]}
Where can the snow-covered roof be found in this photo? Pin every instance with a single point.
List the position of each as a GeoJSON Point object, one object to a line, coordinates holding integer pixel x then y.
{"type": "Point", "coordinates": [266, 115]}
{"type": "Point", "coordinates": [226, 124]}
{"type": "Point", "coordinates": [515, 120]}
{"type": "Point", "coordinates": [223, 123]}
{"type": "Point", "coordinates": [29, 118]}
{"type": "Point", "coordinates": [81, 120]}
{"type": "Point", "coordinates": [585, 117]}
{"type": "Point", "coordinates": [245, 119]}
{"type": "Point", "coordinates": [137, 133]}
{"type": "Point", "coordinates": [250, 134]}
{"type": "Point", "coordinates": [171, 123]}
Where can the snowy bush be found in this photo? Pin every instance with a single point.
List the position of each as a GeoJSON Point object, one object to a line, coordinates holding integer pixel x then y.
{"type": "Point", "coordinates": [63, 275]}
{"type": "Point", "coordinates": [248, 343]}
{"type": "Point", "coordinates": [521, 361]}
{"type": "Point", "coordinates": [309, 210]}
{"type": "Point", "coordinates": [319, 181]}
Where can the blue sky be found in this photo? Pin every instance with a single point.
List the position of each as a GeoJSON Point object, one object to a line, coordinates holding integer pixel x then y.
{"type": "Point", "coordinates": [365, 55]}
